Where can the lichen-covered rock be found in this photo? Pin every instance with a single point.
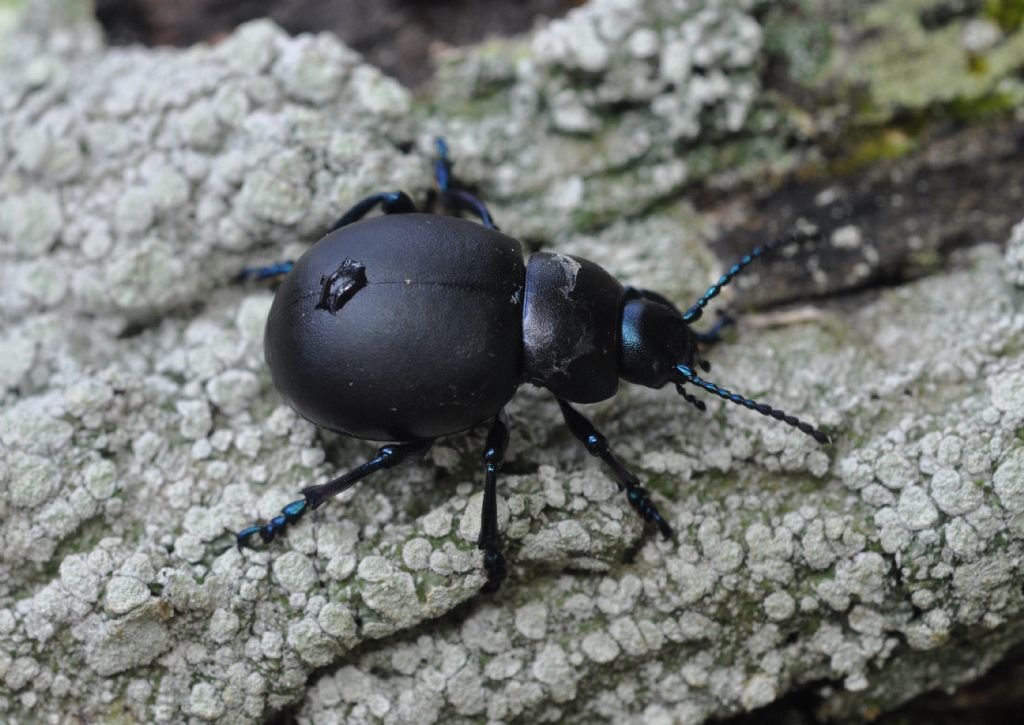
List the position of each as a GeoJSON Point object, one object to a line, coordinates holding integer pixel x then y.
{"type": "Point", "coordinates": [140, 180]}
{"type": "Point", "coordinates": [1015, 256]}
{"type": "Point", "coordinates": [139, 428]}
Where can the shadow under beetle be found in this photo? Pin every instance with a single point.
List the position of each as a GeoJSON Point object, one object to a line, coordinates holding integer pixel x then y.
{"type": "Point", "coordinates": [408, 326]}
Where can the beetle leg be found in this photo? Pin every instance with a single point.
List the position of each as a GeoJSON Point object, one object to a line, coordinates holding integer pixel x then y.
{"type": "Point", "coordinates": [391, 202]}
{"type": "Point", "coordinates": [442, 165]}
{"type": "Point", "coordinates": [387, 457]}
{"type": "Point", "coordinates": [274, 272]}
{"type": "Point", "coordinates": [713, 335]}
{"type": "Point", "coordinates": [454, 198]}
{"type": "Point", "coordinates": [597, 445]}
{"type": "Point", "coordinates": [462, 200]}
{"type": "Point", "coordinates": [489, 540]}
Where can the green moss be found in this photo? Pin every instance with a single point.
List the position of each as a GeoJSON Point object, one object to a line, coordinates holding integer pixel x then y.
{"type": "Point", "coordinates": [1009, 14]}
{"type": "Point", "coordinates": [881, 144]}
{"type": "Point", "coordinates": [991, 104]}
{"type": "Point", "coordinates": [663, 486]}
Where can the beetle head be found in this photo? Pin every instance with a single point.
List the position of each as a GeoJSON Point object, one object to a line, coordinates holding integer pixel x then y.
{"type": "Point", "coordinates": [654, 339]}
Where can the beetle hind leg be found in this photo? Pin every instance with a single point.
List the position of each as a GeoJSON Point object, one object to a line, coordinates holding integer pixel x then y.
{"type": "Point", "coordinates": [390, 202]}
{"type": "Point", "coordinates": [387, 457]}
{"type": "Point", "coordinates": [597, 445]}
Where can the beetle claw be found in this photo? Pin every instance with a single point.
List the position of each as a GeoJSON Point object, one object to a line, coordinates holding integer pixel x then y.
{"type": "Point", "coordinates": [243, 538]}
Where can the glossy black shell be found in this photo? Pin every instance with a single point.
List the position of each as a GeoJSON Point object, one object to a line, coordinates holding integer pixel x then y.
{"type": "Point", "coordinates": [430, 345]}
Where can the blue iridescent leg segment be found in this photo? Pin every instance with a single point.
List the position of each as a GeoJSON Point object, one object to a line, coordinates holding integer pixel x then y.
{"type": "Point", "coordinates": [686, 375]}
{"type": "Point", "coordinates": [290, 514]}
{"type": "Point", "coordinates": [714, 334]}
{"type": "Point", "coordinates": [387, 457]}
{"type": "Point", "coordinates": [489, 540]}
{"type": "Point", "coordinates": [274, 272]}
{"type": "Point", "coordinates": [597, 445]}
{"type": "Point", "coordinates": [454, 198]}
{"type": "Point", "coordinates": [442, 165]}
{"type": "Point", "coordinates": [697, 308]}
{"type": "Point", "coordinates": [390, 202]}
{"type": "Point", "coordinates": [464, 201]}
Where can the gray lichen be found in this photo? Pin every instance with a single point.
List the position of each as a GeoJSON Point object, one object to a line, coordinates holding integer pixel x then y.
{"type": "Point", "coordinates": [139, 427]}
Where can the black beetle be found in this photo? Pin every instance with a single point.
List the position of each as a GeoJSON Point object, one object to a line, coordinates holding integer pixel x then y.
{"type": "Point", "coordinates": [409, 326]}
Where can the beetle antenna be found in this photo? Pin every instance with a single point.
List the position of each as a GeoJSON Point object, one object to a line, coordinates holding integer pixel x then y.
{"type": "Point", "coordinates": [697, 308]}
{"type": "Point", "coordinates": [686, 375]}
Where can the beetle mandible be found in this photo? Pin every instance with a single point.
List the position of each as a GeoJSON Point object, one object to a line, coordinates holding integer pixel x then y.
{"type": "Point", "coordinates": [408, 326]}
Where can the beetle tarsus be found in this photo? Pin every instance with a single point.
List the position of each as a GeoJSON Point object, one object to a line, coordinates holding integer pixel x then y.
{"type": "Point", "coordinates": [269, 531]}
{"type": "Point", "coordinates": [640, 500]}
{"type": "Point", "coordinates": [494, 565]}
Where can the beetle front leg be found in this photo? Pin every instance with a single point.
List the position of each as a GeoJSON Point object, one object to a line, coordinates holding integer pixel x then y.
{"type": "Point", "coordinates": [489, 540]}
{"type": "Point", "coordinates": [597, 445]}
{"type": "Point", "coordinates": [387, 457]}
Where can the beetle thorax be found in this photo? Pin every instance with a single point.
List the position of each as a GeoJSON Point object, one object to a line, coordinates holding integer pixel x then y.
{"type": "Point", "coordinates": [571, 327]}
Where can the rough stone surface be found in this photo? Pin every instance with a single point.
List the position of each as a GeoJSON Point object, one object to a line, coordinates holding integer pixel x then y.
{"type": "Point", "coordinates": [139, 427]}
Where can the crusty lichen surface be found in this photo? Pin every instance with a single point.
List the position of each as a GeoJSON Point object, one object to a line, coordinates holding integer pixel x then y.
{"type": "Point", "coordinates": [139, 428]}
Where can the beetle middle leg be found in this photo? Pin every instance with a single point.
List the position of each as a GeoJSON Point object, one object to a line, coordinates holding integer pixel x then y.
{"type": "Point", "coordinates": [387, 457]}
{"type": "Point", "coordinates": [597, 445]}
{"type": "Point", "coordinates": [489, 540]}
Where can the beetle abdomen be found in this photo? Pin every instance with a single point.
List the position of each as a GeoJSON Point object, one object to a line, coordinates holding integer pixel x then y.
{"type": "Point", "coordinates": [429, 343]}
{"type": "Point", "coordinates": [571, 327]}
